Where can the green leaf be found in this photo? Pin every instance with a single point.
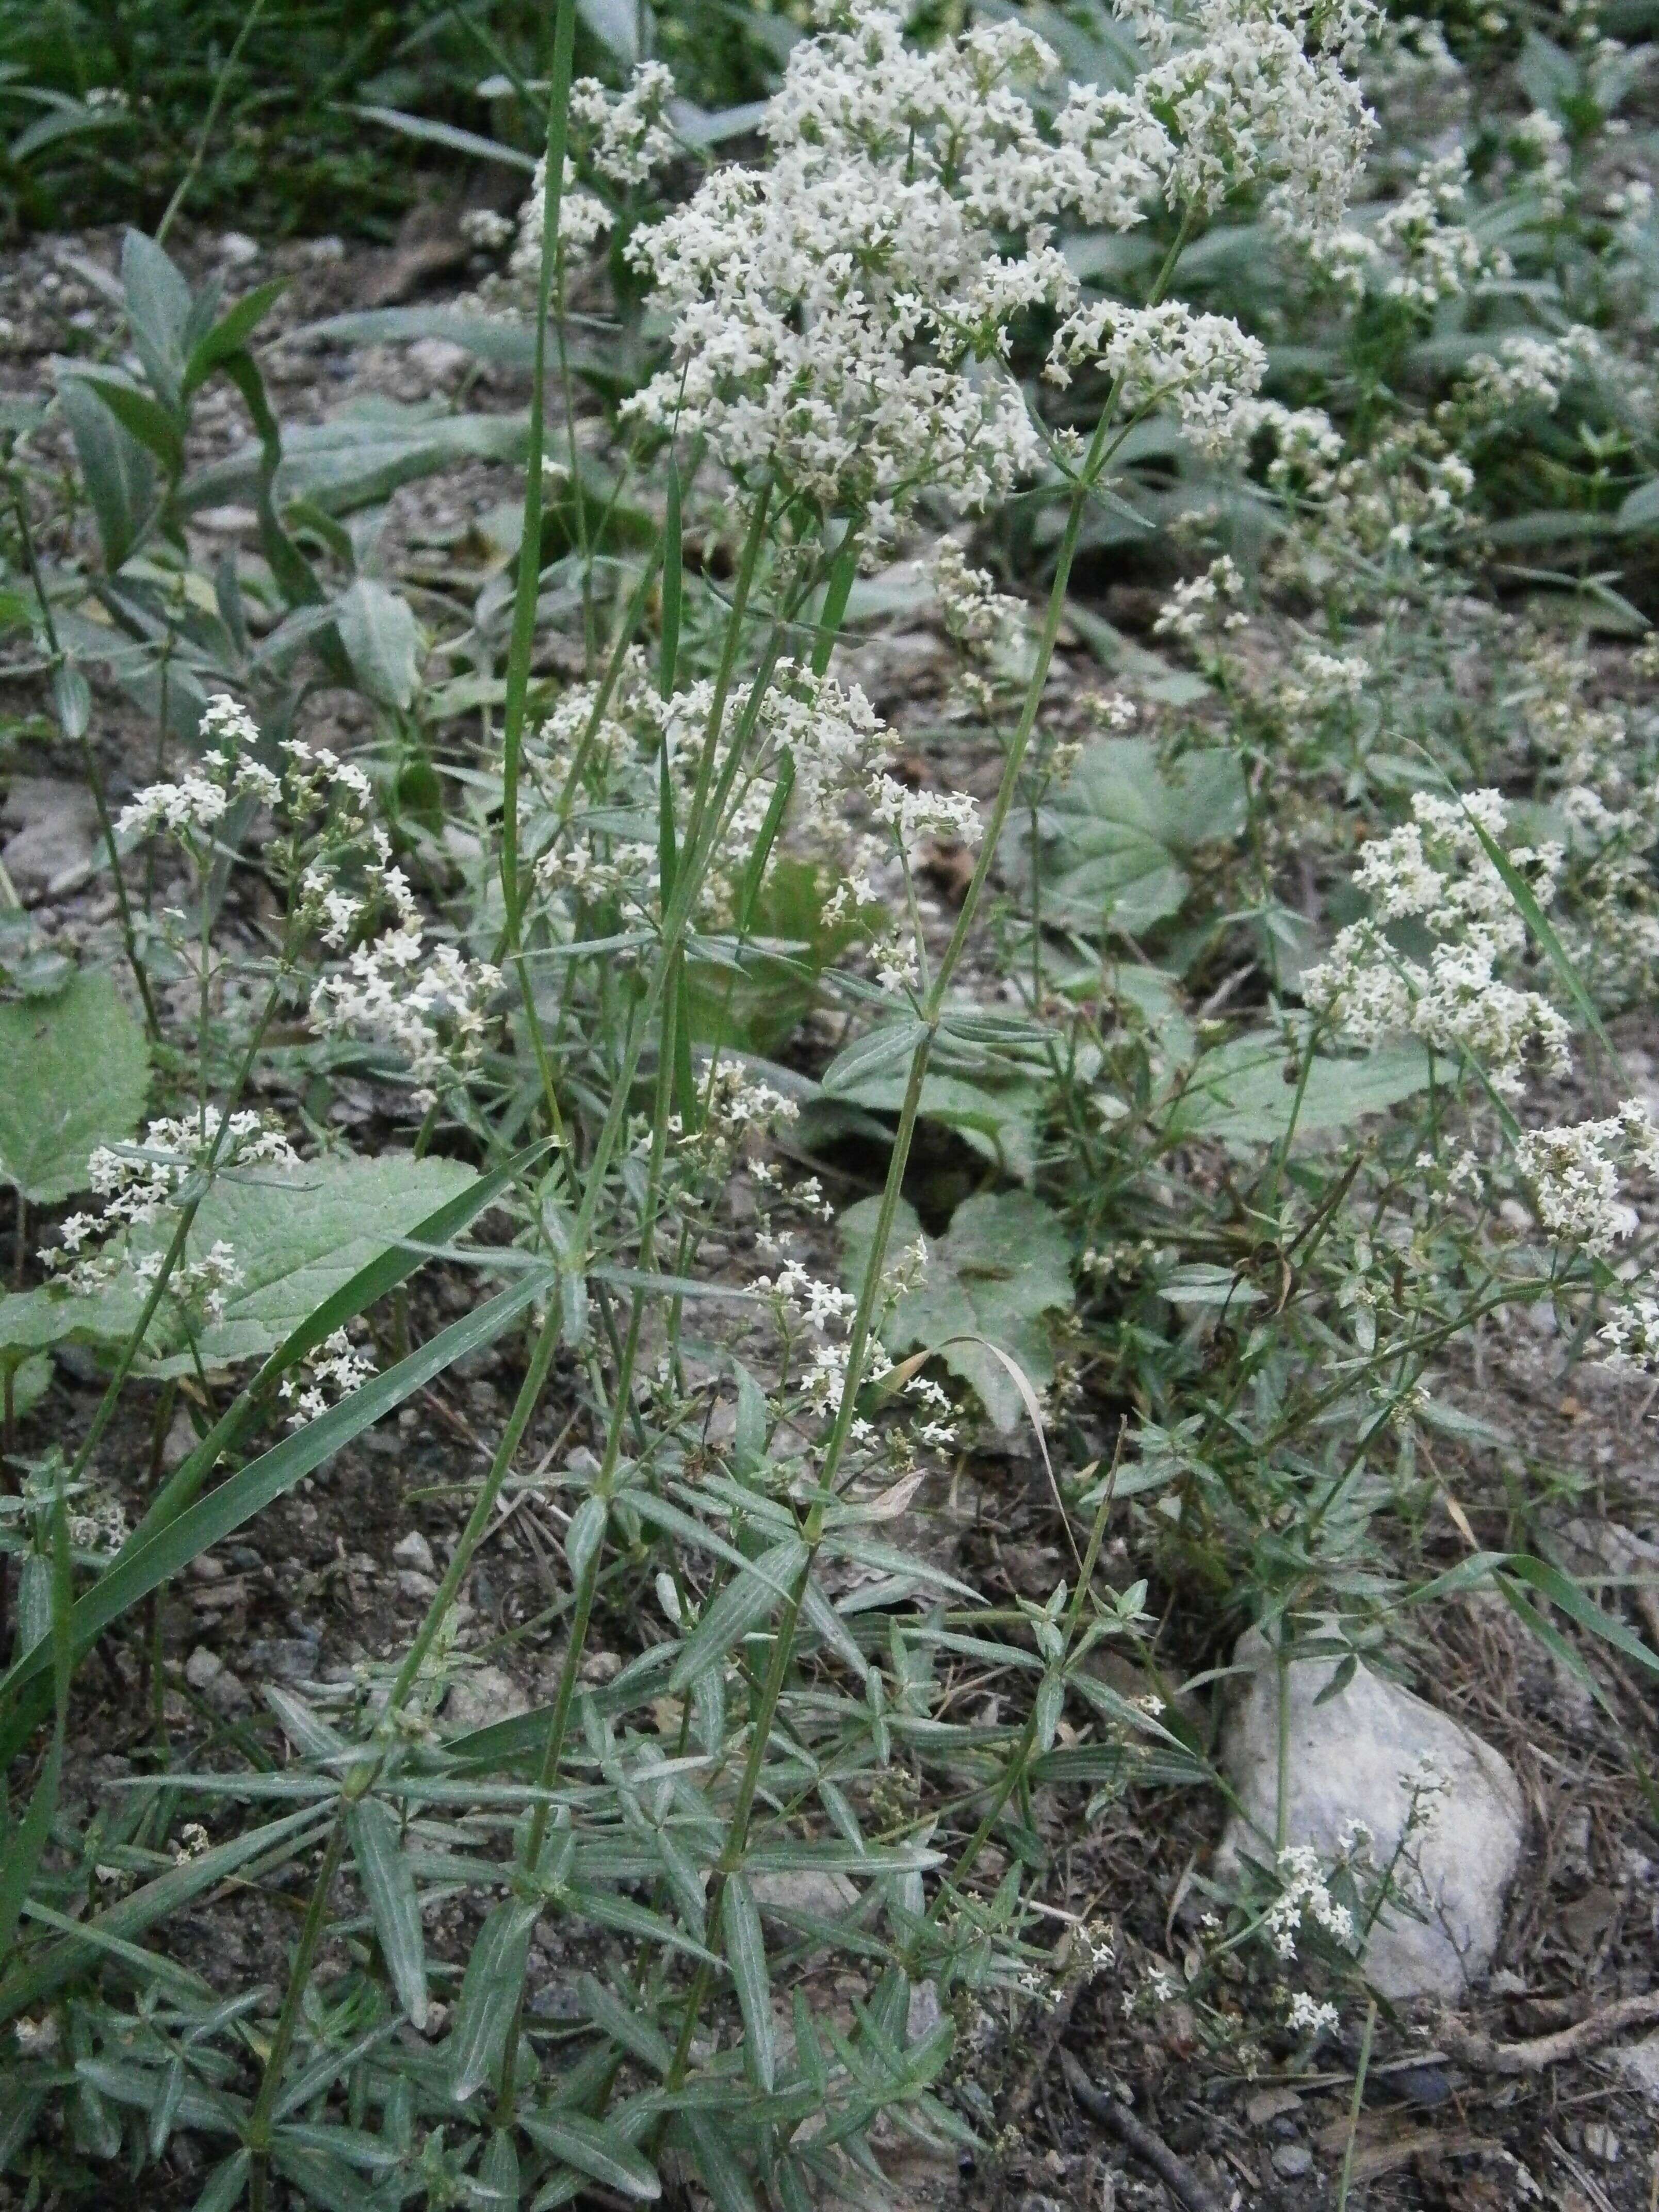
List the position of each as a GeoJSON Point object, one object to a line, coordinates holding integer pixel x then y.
{"type": "Point", "coordinates": [747, 1600]}
{"type": "Point", "coordinates": [447, 135]}
{"type": "Point", "coordinates": [1240, 1092]}
{"type": "Point", "coordinates": [231, 333]}
{"type": "Point", "coordinates": [298, 1235]}
{"type": "Point", "coordinates": [118, 471]}
{"type": "Point", "coordinates": [1123, 828]}
{"type": "Point", "coordinates": [164, 1553]}
{"type": "Point", "coordinates": [389, 1889]}
{"type": "Point", "coordinates": [495, 338]}
{"type": "Point", "coordinates": [382, 640]}
{"type": "Point", "coordinates": [746, 1953]}
{"type": "Point", "coordinates": [1005, 1263]}
{"type": "Point", "coordinates": [158, 304]}
{"type": "Point", "coordinates": [997, 1120]}
{"type": "Point", "coordinates": [489, 1995]}
{"type": "Point", "coordinates": [602, 2154]}
{"type": "Point", "coordinates": [155, 427]}
{"type": "Point", "coordinates": [74, 1071]}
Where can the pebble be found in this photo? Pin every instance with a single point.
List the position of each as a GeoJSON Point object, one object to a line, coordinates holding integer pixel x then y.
{"type": "Point", "coordinates": [414, 1551]}
{"type": "Point", "coordinates": [1351, 1746]}
{"type": "Point", "coordinates": [237, 249]}
{"type": "Point", "coordinates": [412, 1583]}
{"type": "Point", "coordinates": [1268, 2105]}
{"type": "Point", "coordinates": [1603, 2144]}
{"type": "Point", "coordinates": [1292, 2160]}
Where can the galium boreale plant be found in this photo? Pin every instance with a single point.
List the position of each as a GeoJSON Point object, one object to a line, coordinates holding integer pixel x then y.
{"type": "Point", "coordinates": [840, 318]}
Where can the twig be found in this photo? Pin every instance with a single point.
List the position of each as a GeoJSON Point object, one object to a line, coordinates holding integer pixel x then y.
{"type": "Point", "coordinates": [1149, 2148]}
{"type": "Point", "coordinates": [1471, 2047]}
{"type": "Point", "coordinates": [1054, 2026]}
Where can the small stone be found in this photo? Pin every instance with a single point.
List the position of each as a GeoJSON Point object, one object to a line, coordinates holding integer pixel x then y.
{"type": "Point", "coordinates": [214, 1683]}
{"type": "Point", "coordinates": [820, 1893]}
{"type": "Point", "coordinates": [236, 249]}
{"type": "Point", "coordinates": [286, 1658]}
{"type": "Point", "coordinates": [480, 1698]}
{"type": "Point", "coordinates": [57, 825]}
{"type": "Point", "coordinates": [412, 1583]}
{"type": "Point", "coordinates": [1603, 2144]}
{"type": "Point", "coordinates": [414, 1551]}
{"type": "Point", "coordinates": [1292, 2160]}
{"type": "Point", "coordinates": [1638, 2063]}
{"type": "Point", "coordinates": [225, 521]}
{"type": "Point", "coordinates": [438, 359]}
{"type": "Point", "coordinates": [1350, 1751]}
{"type": "Point", "coordinates": [599, 1668]}
{"type": "Point", "coordinates": [179, 1443]}
{"type": "Point", "coordinates": [206, 1569]}
{"type": "Point", "coordinates": [1268, 2105]}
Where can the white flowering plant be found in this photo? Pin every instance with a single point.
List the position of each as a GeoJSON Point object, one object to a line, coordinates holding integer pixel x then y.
{"type": "Point", "coordinates": [1182, 1058]}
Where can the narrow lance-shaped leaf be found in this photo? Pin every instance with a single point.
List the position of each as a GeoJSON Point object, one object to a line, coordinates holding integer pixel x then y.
{"type": "Point", "coordinates": [389, 1888]}
{"type": "Point", "coordinates": [746, 1953]}
{"type": "Point", "coordinates": [748, 1599]}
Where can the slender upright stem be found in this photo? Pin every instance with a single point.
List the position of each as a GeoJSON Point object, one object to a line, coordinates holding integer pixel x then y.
{"type": "Point", "coordinates": [221, 86]}
{"type": "Point", "coordinates": [530, 546]}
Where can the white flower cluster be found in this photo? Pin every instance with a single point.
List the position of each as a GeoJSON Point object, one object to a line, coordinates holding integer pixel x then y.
{"type": "Point", "coordinates": [1203, 366]}
{"type": "Point", "coordinates": [138, 1183]}
{"type": "Point", "coordinates": [619, 138]}
{"type": "Point", "coordinates": [1575, 1175]}
{"type": "Point", "coordinates": [1307, 2016]}
{"type": "Point", "coordinates": [841, 317]}
{"type": "Point", "coordinates": [191, 807]}
{"type": "Point", "coordinates": [977, 615]}
{"type": "Point", "coordinates": [1431, 255]}
{"type": "Point", "coordinates": [1254, 93]}
{"type": "Point", "coordinates": [332, 1371]}
{"type": "Point", "coordinates": [914, 816]}
{"type": "Point", "coordinates": [1319, 681]}
{"type": "Point", "coordinates": [1435, 871]}
{"type": "Point", "coordinates": [622, 135]}
{"type": "Point", "coordinates": [1304, 1895]}
{"type": "Point", "coordinates": [1525, 372]}
{"type": "Point", "coordinates": [427, 1002]}
{"type": "Point", "coordinates": [1202, 602]}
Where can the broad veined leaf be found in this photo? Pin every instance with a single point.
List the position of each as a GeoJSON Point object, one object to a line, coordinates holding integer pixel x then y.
{"type": "Point", "coordinates": [382, 640]}
{"type": "Point", "coordinates": [1123, 828]}
{"type": "Point", "coordinates": [1246, 1090]}
{"type": "Point", "coordinates": [74, 1071]}
{"type": "Point", "coordinates": [297, 1234]}
{"type": "Point", "coordinates": [998, 1119]}
{"type": "Point", "coordinates": [1004, 1265]}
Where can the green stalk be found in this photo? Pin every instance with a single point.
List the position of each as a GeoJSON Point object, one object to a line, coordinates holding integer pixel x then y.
{"type": "Point", "coordinates": [282, 2041]}
{"type": "Point", "coordinates": [529, 579]}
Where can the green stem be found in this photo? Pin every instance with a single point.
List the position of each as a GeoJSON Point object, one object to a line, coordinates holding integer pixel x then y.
{"type": "Point", "coordinates": [259, 2126]}
{"type": "Point", "coordinates": [530, 566]}
{"type": "Point", "coordinates": [220, 86]}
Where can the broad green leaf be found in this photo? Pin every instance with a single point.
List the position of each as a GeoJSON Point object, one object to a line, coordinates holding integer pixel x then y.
{"type": "Point", "coordinates": [1123, 828]}
{"type": "Point", "coordinates": [1005, 1263]}
{"type": "Point", "coordinates": [74, 1071]}
{"type": "Point", "coordinates": [1246, 1090]}
{"type": "Point", "coordinates": [360, 456]}
{"type": "Point", "coordinates": [495, 338]}
{"type": "Point", "coordinates": [746, 1953]}
{"type": "Point", "coordinates": [155, 427]}
{"type": "Point", "coordinates": [998, 1119]}
{"type": "Point", "coordinates": [746, 1601]}
{"type": "Point", "coordinates": [120, 473]}
{"type": "Point", "coordinates": [389, 1888]}
{"type": "Point", "coordinates": [231, 333]}
{"type": "Point", "coordinates": [298, 1234]}
{"type": "Point", "coordinates": [158, 304]}
{"type": "Point", "coordinates": [382, 640]}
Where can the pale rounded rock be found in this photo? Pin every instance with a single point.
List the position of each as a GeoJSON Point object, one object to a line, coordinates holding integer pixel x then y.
{"type": "Point", "coordinates": [1349, 1750]}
